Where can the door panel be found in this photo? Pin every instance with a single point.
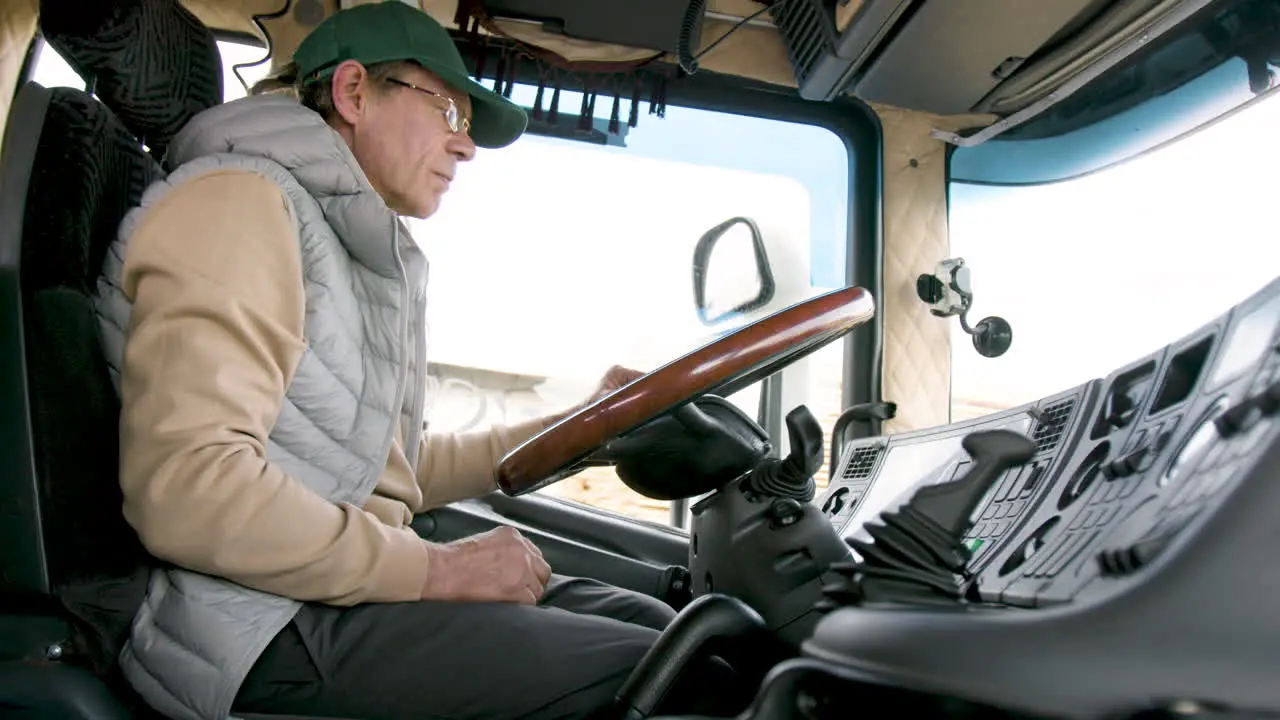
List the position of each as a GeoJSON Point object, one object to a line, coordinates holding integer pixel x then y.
{"type": "Point", "coordinates": [575, 540]}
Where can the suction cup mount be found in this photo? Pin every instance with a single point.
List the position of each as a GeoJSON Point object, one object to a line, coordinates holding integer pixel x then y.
{"type": "Point", "coordinates": [948, 293]}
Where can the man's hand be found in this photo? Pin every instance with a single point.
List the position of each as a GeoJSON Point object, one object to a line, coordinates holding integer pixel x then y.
{"type": "Point", "coordinates": [500, 565]}
{"type": "Point", "coordinates": [616, 377]}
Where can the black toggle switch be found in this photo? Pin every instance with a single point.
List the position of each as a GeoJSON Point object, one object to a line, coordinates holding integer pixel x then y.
{"type": "Point", "coordinates": [1120, 408]}
{"type": "Point", "coordinates": [1243, 415]}
{"type": "Point", "coordinates": [1236, 419]}
{"type": "Point", "coordinates": [1127, 560]}
{"type": "Point", "coordinates": [784, 511]}
{"type": "Point", "coordinates": [1131, 463]}
{"type": "Point", "coordinates": [1269, 400]}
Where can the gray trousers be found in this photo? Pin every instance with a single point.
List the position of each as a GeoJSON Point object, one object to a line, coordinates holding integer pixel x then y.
{"type": "Point", "coordinates": [565, 658]}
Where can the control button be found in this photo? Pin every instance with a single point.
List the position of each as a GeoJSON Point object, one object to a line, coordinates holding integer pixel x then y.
{"type": "Point", "coordinates": [1268, 400]}
{"type": "Point", "coordinates": [784, 512]}
{"type": "Point", "coordinates": [1237, 418]}
{"type": "Point", "coordinates": [1081, 518]}
{"type": "Point", "coordinates": [1121, 406]}
{"type": "Point", "coordinates": [1124, 561]}
{"type": "Point", "coordinates": [1113, 490]}
{"type": "Point", "coordinates": [1138, 440]}
{"type": "Point", "coordinates": [1125, 465]}
{"type": "Point", "coordinates": [1213, 481]}
{"type": "Point", "coordinates": [1085, 475]}
{"type": "Point", "coordinates": [1007, 484]}
{"type": "Point", "coordinates": [836, 502]}
{"type": "Point", "coordinates": [1068, 558]}
{"type": "Point", "coordinates": [1108, 514]}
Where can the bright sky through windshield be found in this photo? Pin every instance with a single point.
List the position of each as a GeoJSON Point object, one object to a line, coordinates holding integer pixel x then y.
{"type": "Point", "coordinates": [1096, 272]}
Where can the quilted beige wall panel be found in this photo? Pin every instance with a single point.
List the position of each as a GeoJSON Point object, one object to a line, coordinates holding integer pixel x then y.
{"type": "Point", "coordinates": [845, 13]}
{"type": "Point", "coordinates": [917, 354]}
{"type": "Point", "coordinates": [753, 52]}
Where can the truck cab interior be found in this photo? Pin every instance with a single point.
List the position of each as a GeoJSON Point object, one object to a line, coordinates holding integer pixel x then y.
{"type": "Point", "coordinates": [1103, 548]}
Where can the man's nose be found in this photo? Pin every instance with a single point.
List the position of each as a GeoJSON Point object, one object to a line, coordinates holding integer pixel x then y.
{"type": "Point", "coordinates": [462, 147]}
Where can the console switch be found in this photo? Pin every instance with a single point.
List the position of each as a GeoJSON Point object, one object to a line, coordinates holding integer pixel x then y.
{"type": "Point", "coordinates": [1123, 561]}
{"type": "Point", "coordinates": [1130, 463]}
{"type": "Point", "coordinates": [1243, 415]}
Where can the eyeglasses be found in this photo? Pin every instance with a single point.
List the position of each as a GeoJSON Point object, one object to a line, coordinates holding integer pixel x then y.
{"type": "Point", "coordinates": [451, 114]}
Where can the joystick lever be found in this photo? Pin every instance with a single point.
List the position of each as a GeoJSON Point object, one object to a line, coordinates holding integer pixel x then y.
{"type": "Point", "coordinates": [918, 550]}
{"type": "Point", "coordinates": [949, 505]}
{"type": "Point", "coordinates": [791, 477]}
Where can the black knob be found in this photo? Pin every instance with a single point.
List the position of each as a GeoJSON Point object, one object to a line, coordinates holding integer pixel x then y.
{"type": "Point", "coordinates": [784, 512]}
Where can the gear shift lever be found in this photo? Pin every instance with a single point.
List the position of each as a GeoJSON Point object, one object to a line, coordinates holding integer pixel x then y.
{"type": "Point", "coordinates": [917, 551]}
{"type": "Point", "coordinates": [791, 477]}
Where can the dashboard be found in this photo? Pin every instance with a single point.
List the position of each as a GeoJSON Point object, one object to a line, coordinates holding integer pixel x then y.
{"type": "Point", "coordinates": [1132, 560]}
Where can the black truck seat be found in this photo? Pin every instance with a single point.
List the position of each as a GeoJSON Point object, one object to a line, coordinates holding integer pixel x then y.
{"type": "Point", "coordinates": [71, 165]}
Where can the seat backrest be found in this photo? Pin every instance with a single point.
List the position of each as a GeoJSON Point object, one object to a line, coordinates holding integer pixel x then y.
{"type": "Point", "coordinates": [70, 168]}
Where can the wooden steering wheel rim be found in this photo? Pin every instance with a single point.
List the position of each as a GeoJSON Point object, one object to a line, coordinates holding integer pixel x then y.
{"type": "Point", "coordinates": [722, 366]}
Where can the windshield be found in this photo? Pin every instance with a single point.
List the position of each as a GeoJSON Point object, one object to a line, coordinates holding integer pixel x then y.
{"type": "Point", "coordinates": [1096, 272]}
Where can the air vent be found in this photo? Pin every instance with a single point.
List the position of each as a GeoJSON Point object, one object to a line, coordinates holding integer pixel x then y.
{"type": "Point", "coordinates": [1053, 423]}
{"type": "Point", "coordinates": [808, 31]}
{"type": "Point", "coordinates": [863, 462]}
{"type": "Point", "coordinates": [823, 58]}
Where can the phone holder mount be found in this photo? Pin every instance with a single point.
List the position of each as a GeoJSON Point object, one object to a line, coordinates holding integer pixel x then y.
{"type": "Point", "coordinates": [948, 292]}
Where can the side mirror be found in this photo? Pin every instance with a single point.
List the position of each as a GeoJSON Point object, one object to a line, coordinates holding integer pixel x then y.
{"type": "Point", "coordinates": [731, 270]}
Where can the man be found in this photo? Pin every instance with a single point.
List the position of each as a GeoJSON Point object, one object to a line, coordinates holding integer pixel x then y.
{"type": "Point", "coordinates": [266, 306]}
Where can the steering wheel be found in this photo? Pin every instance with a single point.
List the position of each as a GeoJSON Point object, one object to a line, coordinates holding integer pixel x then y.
{"type": "Point", "coordinates": [722, 366]}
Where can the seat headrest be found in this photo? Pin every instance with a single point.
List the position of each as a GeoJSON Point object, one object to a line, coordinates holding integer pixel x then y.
{"type": "Point", "coordinates": [151, 61]}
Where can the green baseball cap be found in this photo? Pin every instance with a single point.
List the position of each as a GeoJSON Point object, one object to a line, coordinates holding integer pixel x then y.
{"type": "Point", "coordinates": [392, 30]}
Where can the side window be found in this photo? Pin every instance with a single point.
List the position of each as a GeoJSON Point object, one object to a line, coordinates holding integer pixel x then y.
{"type": "Point", "coordinates": [553, 259]}
{"type": "Point", "coordinates": [50, 69]}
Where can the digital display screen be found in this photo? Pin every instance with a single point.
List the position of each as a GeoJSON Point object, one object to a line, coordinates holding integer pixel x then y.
{"type": "Point", "coordinates": [908, 467]}
{"type": "Point", "coordinates": [1249, 339]}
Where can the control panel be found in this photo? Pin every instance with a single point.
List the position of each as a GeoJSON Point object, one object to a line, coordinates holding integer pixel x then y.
{"type": "Point", "coordinates": [1119, 546]}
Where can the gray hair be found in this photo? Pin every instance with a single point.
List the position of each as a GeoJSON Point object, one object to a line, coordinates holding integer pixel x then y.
{"type": "Point", "coordinates": [317, 96]}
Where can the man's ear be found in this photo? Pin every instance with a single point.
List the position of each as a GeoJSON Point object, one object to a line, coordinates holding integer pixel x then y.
{"type": "Point", "coordinates": [350, 85]}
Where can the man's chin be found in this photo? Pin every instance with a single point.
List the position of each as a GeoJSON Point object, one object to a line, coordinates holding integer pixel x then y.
{"type": "Point", "coordinates": [421, 210]}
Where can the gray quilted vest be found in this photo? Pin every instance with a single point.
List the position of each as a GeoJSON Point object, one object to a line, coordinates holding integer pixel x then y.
{"type": "Point", "coordinates": [196, 637]}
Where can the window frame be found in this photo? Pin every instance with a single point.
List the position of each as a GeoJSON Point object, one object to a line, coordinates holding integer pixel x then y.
{"type": "Point", "coordinates": [859, 129]}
